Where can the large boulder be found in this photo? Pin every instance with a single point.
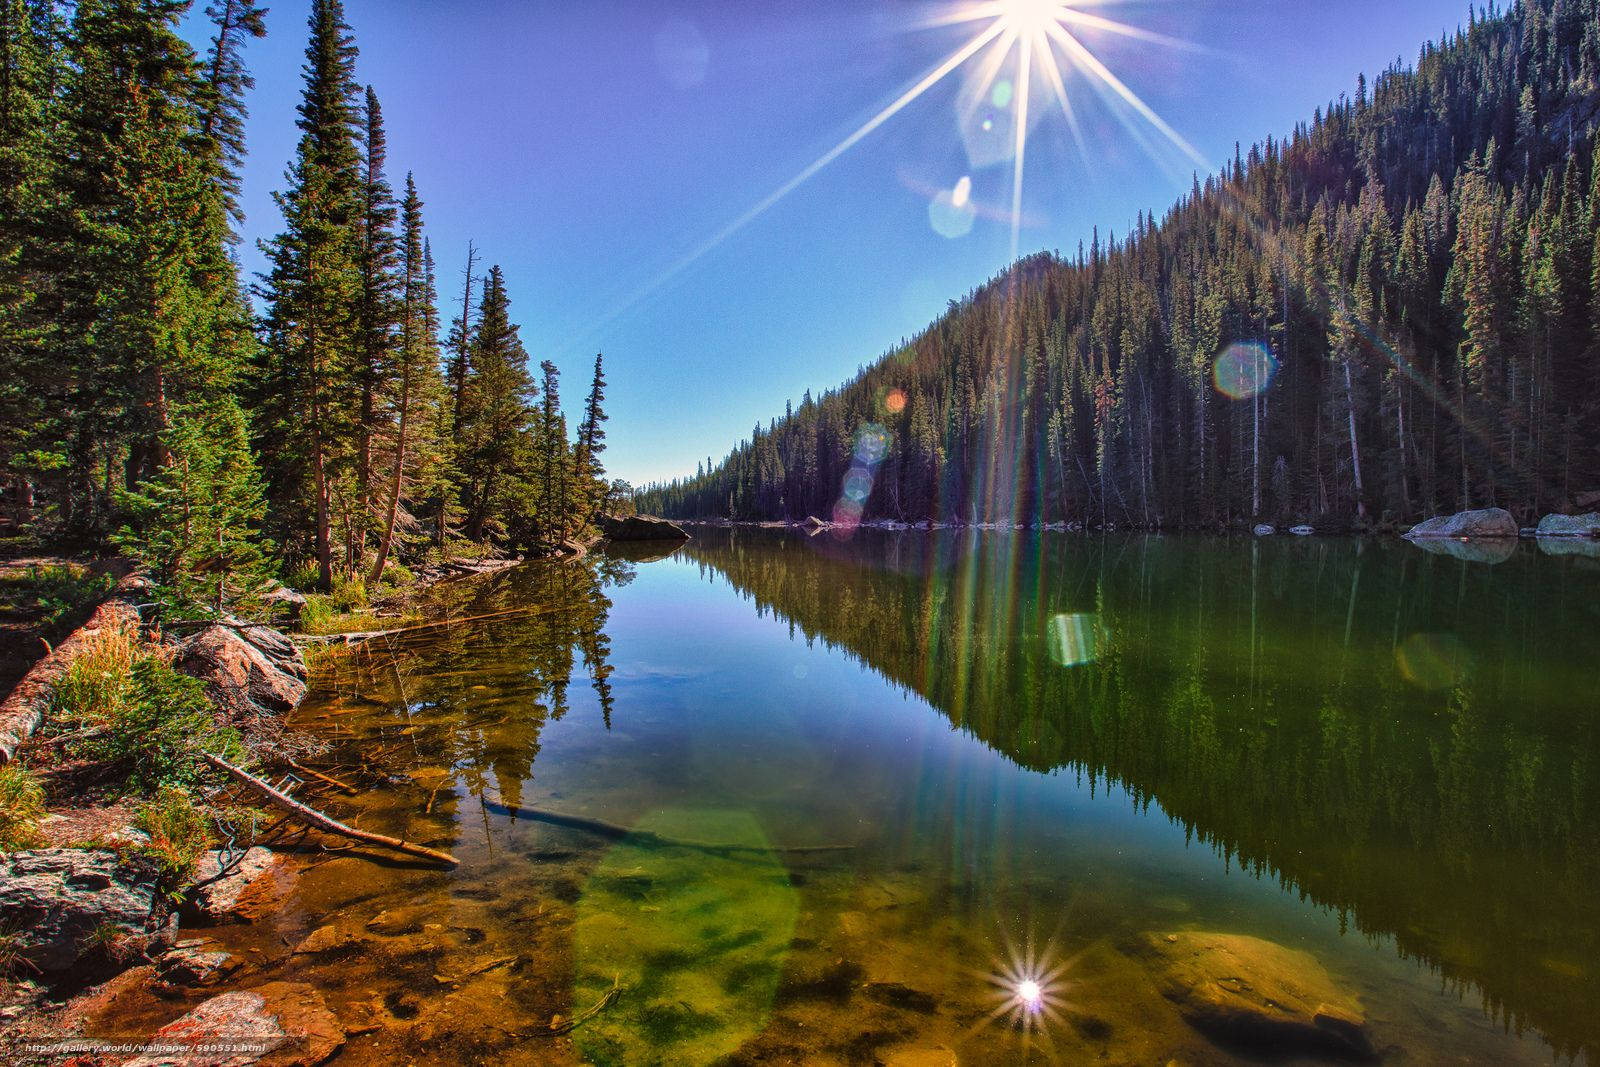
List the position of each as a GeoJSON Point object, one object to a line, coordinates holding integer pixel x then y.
{"type": "Point", "coordinates": [1569, 525]}
{"type": "Point", "coordinates": [1487, 522]}
{"type": "Point", "coordinates": [282, 1024]}
{"type": "Point", "coordinates": [641, 528]}
{"type": "Point", "coordinates": [62, 903]}
{"type": "Point", "coordinates": [224, 884]}
{"type": "Point", "coordinates": [1256, 995]}
{"type": "Point", "coordinates": [250, 672]}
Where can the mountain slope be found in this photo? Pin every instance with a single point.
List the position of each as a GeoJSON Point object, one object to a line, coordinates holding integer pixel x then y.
{"type": "Point", "coordinates": [1416, 265]}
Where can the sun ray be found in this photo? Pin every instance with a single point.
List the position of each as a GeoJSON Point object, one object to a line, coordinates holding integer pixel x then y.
{"type": "Point", "coordinates": [1088, 60]}
{"type": "Point", "coordinates": [1058, 86]}
{"type": "Point", "coordinates": [928, 81]}
{"type": "Point", "coordinates": [1098, 22]}
{"type": "Point", "coordinates": [1023, 70]}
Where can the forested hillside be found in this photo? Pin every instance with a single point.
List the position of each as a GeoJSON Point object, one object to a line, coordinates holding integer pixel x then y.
{"type": "Point", "coordinates": [1392, 312]}
{"type": "Point", "coordinates": [147, 399]}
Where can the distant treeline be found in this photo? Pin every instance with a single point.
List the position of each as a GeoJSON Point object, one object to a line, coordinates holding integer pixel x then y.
{"type": "Point", "coordinates": [142, 398]}
{"type": "Point", "coordinates": [1417, 265]}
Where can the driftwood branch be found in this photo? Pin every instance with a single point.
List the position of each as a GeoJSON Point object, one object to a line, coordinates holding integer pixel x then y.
{"type": "Point", "coordinates": [23, 711]}
{"type": "Point", "coordinates": [285, 802]}
{"type": "Point", "coordinates": [648, 838]}
{"type": "Point", "coordinates": [589, 1013]}
{"type": "Point", "coordinates": [323, 778]}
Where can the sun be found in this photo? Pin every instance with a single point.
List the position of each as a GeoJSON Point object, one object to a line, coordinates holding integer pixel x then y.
{"type": "Point", "coordinates": [1030, 17]}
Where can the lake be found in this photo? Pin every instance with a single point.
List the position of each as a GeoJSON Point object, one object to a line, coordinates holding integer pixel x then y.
{"type": "Point", "coordinates": [779, 798]}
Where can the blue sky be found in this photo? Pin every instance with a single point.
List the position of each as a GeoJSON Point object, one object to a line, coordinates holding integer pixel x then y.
{"type": "Point", "coordinates": [593, 148]}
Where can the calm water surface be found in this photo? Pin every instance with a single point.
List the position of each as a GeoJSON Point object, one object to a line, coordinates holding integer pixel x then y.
{"type": "Point", "coordinates": [896, 765]}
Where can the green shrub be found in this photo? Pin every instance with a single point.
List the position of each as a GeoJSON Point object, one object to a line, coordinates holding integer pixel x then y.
{"type": "Point", "coordinates": [303, 575]}
{"type": "Point", "coordinates": [158, 732]}
{"type": "Point", "coordinates": [179, 832]}
{"type": "Point", "coordinates": [21, 808]}
{"type": "Point", "coordinates": [138, 714]}
{"type": "Point", "coordinates": [349, 592]}
{"type": "Point", "coordinates": [317, 614]}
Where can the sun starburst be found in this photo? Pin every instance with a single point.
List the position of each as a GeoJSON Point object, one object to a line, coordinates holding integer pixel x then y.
{"type": "Point", "coordinates": [1024, 38]}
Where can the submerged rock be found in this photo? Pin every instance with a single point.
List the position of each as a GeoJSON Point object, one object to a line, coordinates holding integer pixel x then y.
{"type": "Point", "coordinates": [219, 900]}
{"type": "Point", "coordinates": [61, 903]}
{"type": "Point", "coordinates": [193, 965]}
{"type": "Point", "coordinates": [1569, 525]}
{"type": "Point", "coordinates": [1257, 995]}
{"type": "Point", "coordinates": [285, 1024]}
{"type": "Point", "coordinates": [254, 678]}
{"type": "Point", "coordinates": [1486, 522]}
{"type": "Point", "coordinates": [641, 528]}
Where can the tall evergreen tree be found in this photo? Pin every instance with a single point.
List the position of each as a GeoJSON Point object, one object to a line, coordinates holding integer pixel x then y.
{"type": "Point", "coordinates": [494, 416]}
{"type": "Point", "coordinates": [306, 389]}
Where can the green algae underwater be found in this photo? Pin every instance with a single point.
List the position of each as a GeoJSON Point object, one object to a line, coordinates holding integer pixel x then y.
{"type": "Point", "coordinates": [773, 798]}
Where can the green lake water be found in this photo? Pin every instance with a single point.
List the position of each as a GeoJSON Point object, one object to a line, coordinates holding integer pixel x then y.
{"type": "Point", "coordinates": [874, 783]}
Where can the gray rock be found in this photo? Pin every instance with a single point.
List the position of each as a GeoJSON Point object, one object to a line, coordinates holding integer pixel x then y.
{"type": "Point", "coordinates": [216, 901]}
{"type": "Point", "coordinates": [641, 528]}
{"type": "Point", "coordinates": [59, 901]}
{"type": "Point", "coordinates": [193, 965]}
{"type": "Point", "coordinates": [1487, 522]}
{"type": "Point", "coordinates": [1569, 525]}
{"type": "Point", "coordinates": [1255, 994]}
{"type": "Point", "coordinates": [286, 1024]}
{"type": "Point", "coordinates": [249, 677]}
{"type": "Point", "coordinates": [285, 603]}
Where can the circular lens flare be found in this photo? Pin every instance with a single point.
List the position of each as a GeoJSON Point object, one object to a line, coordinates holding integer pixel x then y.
{"type": "Point", "coordinates": [1244, 370]}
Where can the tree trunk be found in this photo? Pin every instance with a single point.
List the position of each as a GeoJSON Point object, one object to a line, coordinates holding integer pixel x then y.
{"type": "Point", "coordinates": [1355, 448]}
{"type": "Point", "coordinates": [387, 540]}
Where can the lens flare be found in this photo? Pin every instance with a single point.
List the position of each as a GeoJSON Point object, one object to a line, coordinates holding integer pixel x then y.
{"type": "Point", "coordinates": [1074, 640]}
{"type": "Point", "coordinates": [1244, 370]}
{"type": "Point", "coordinates": [872, 444]}
{"type": "Point", "coordinates": [895, 401]}
{"type": "Point", "coordinates": [1030, 995]}
{"type": "Point", "coordinates": [1433, 661]}
{"type": "Point", "coordinates": [951, 212]}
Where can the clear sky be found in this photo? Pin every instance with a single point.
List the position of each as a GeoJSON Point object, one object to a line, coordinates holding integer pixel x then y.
{"type": "Point", "coordinates": [595, 149]}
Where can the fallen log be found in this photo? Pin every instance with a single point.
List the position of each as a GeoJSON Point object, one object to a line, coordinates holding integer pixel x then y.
{"type": "Point", "coordinates": [649, 838]}
{"type": "Point", "coordinates": [366, 635]}
{"type": "Point", "coordinates": [23, 711]}
{"type": "Point", "coordinates": [317, 819]}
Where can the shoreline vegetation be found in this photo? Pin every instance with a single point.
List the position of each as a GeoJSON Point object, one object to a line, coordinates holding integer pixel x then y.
{"type": "Point", "coordinates": [127, 814]}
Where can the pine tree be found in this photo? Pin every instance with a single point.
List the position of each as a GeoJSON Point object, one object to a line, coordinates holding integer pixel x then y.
{"type": "Point", "coordinates": [378, 319]}
{"type": "Point", "coordinates": [494, 417]}
{"type": "Point", "coordinates": [417, 387]}
{"type": "Point", "coordinates": [589, 472]}
{"type": "Point", "coordinates": [306, 387]}
{"type": "Point", "coordinates": [196, 522]}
